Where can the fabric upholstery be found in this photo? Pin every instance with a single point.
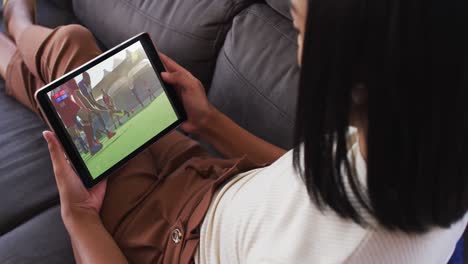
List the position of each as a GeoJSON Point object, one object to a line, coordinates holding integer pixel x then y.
{"type": "Point", "coordinates": [27, 184]}
{"type": "Point", "coordinates": [255, 82]}
{"type": "Point", "coordinates": [26, 180]}
{"type": "Point", "coordinates": [41, 240]}
{"type": "Point", "coordinates": [56, 7]}
{"type": "Point", "coordinates": [31, 230]}
{"type": "Point", "coordinates": [55, 13]}
{"type": "Point", "coordinates": [190, 31]}
{"type": "Point", "coordinates": [281, 6]}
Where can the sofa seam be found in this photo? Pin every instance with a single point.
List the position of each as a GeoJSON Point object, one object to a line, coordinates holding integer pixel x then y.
{"type": "Point", "coordinates": [244, 13]}
{"type": "Point", "coordinates": [226, 26]}
{"type": "Point", "coordinates": [227, 23]}
{"type": "Point", "coordinates": [274, 26]}
{"type": "Point", "coordinates": [282, 112]}
{"type": "Point", "coordinates": [219, 41]}
{"type": "Point", "coordinates": [277, 10]}
{"type": "Point", "coordinates": [164, 25]}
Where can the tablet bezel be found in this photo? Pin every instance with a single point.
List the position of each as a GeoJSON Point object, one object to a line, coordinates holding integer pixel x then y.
{"type": "Point", "coordinates": [56, 124]}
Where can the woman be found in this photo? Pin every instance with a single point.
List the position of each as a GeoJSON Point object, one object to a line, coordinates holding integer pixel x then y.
{"type": "Point", "coordinates": [395, 70]}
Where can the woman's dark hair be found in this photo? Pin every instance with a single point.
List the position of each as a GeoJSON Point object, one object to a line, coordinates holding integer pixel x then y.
{"type": "Point", "coordinates": [412, 56]}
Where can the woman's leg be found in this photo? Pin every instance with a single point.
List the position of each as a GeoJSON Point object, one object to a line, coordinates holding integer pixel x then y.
{"type": "Point", "coordinates": [20, 82]}
{"type": "Point", "coordinates": [132, 183]}
{"type": "Point", "coordinates": [7, 50]}
{"type": "Point", "coordinates": [41, 54]}
{"type": "Point", "coordinates": [18, 15]}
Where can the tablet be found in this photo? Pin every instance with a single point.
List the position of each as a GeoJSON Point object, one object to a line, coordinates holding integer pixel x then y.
{"type": "Point", "coordinates": [112, 108]}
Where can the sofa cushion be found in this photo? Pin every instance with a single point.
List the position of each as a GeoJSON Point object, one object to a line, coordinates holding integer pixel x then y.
{"type": "Point", "coordinates": [53, 13]}
{"type": "Point", "coordinates": [27, 184]}
{"type": "Point", "coordinates": [281, 6]}
{"type": "Point", "coordinates": [40, 240]}
{"type": "Point", "coordinates": [63, 5]}
{"type": "Point", "coordinates": [30, 231]}
{"type": "Point", "coordinates": [255, 82]}
{"type": "Point", "coordinates": [190, 31]}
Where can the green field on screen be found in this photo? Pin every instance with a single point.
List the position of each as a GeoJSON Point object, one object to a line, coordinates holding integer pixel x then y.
{"type": "Point", "coordinates": [149, 122]}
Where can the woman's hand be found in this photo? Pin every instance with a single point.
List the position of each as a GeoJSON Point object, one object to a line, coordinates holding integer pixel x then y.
{"type": "Point", "coordinates": [212, 126]}
{"type": "Point", "coordinates": [75, 199]}
{"type": "Point", "coordinates": [192, 94]}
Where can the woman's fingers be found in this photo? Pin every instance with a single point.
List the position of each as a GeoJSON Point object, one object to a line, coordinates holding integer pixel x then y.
{"type": "Point", "coordinates": [170, 64]}
{"type": "Point", "coordinates": [178, 79]}
{"type": "Point", "coordinates": [59, 161]}
{"type": "Point", "coordinates": [56, 153]}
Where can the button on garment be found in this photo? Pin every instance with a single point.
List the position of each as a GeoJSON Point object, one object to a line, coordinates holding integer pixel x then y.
{"type": "Point", "coordinates": [176, 236]}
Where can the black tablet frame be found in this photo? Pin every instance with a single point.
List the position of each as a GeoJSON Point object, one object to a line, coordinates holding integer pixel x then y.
{"type": "Point", "coordinates": [56, 124]}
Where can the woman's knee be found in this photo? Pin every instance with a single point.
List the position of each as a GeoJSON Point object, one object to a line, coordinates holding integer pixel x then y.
{"type": "Point", "coordinates": [75, 34]}
{"type": "Point", "coordinates": [69, 47]}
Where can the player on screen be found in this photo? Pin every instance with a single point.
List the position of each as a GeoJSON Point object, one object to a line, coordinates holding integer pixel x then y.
{"type": "Point", "coordinates": [149, 91]}
{"type": "Point", "coordinates": [70, 103]}
{"type": "Point", "coordinates": [134, 92]}
{"type": "Point", "coordinates": [114, 113]}
{"type": "Point", "coordinates": [86, 91]}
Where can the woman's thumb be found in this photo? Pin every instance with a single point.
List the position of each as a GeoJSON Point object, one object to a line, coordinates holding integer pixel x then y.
{"type": "Point", "coordinates": [178, 79]}
{"type": "Point", "coordinates": [49, 137]}
{"type": "Point", "coordinates": [56, 153]}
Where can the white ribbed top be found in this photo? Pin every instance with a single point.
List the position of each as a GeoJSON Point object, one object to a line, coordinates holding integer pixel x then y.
{"type": "Point", "coordinates": [266, 216]}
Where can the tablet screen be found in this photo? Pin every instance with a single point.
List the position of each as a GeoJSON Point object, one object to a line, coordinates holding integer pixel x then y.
{"type": "Point", "coordinates": [113, 108]}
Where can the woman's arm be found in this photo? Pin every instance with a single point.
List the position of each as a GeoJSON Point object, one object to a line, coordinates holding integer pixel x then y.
{"type": "Point", "coordinates": [80, 212]}
{"type": "Point", "coordinates": [91, 241]}
{"type": "Point", "coordinates": [207, 123]}
{"type": "Point", "coordinates": [231, 140]}
{"type": "Point", "coordinates": [76, 253]}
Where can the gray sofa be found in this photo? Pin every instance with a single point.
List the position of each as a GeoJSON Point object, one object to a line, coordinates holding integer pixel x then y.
{"type": "Point", "coordinates": [243, 51]}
